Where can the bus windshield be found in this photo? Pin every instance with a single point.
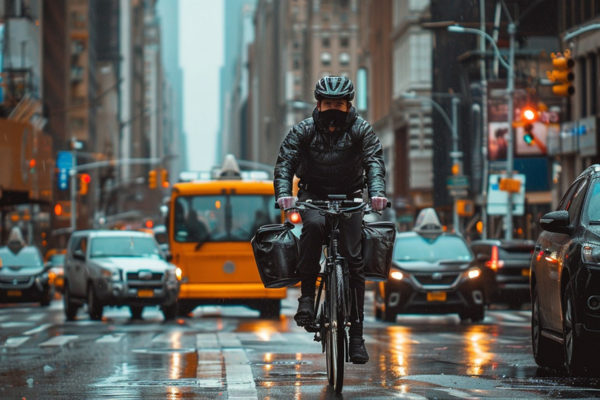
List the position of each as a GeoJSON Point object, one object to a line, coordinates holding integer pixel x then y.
{"type": "Point", "coordinates": [222, 218]}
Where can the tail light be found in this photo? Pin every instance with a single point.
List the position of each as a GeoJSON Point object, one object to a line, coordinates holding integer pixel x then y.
{"type": "Point", "coordinates": [294, 218]}
{"type": "Point", "coordinates": [494, 262]}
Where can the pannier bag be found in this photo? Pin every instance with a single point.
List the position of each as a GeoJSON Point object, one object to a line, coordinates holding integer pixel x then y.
{"type": "Point", "coordinates": [276, 251]}
{"type": "Point", "coordinates": [377, 249]}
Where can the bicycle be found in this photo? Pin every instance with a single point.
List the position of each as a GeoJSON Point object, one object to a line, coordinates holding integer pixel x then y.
{"type": "Point", "coordinates": [332, 320]}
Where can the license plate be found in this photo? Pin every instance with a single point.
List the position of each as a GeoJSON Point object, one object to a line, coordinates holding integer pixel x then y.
{"type": "Point", "coordinates": [14, 293]}
{"type": "Point", "coordinates": [436, 296]}
{"type": "Point", "coordinates": [525, 272]}
{"type": "Point", "coordinates": [145, 293]}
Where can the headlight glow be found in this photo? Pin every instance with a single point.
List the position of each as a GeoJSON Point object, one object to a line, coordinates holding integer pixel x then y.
{"type": "Point", "coordinates": [397, 275]}
{"type": "Point", "coordinates": [178, 273]}
{"type": "Point", "coordinates": [474, 273]}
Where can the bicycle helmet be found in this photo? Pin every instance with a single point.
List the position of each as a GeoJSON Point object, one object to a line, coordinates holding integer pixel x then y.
{"type": "Point", "coordinates": [334, 87]}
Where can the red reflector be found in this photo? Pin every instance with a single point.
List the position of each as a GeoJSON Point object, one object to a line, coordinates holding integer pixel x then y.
{"type": "Point", "coordinates": [295, 218]}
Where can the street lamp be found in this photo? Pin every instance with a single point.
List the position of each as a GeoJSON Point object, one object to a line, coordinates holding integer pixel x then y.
{"type": "Point", "coordinates": [453, 126]}
{"type": "Point", "coordinates": [509, 93]}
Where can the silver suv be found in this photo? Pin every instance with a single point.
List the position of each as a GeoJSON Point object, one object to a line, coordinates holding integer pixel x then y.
{"type": "Point", "coordinates": [115, 268]}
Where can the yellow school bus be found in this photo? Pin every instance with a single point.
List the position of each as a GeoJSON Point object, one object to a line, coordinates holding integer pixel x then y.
{"type": "Point", "coordinates": [210, 225]}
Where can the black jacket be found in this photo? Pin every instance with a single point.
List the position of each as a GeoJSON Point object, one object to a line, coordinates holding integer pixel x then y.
{"type": "Point", "coordinates": [331, 162]}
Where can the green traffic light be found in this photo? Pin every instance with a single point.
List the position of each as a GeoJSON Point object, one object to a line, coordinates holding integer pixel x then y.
{"type": "Point", "coordinates": [528, 138]}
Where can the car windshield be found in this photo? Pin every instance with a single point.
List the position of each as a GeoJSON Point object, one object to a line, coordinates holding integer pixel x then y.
{"type": "Point", "coordinates": [28, 257]}
{"type": "Point", "coordinates": [593, 203]}
{"type": "Point", "coordinates": [418, 248]}
{"type": "Point", "coordinates": [222, 218]}
{"type": "Point", "coordinates": [124, 246]}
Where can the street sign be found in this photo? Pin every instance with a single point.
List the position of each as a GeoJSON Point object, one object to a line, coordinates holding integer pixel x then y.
{"type": "Point", "coordinates": [497, 201]}
{"type": "Point", "coordinates": [457, 182]}
{"type": "Point", "coordinates": [64, 162]}
{"type": "Point", "coordinates": [510, 185]}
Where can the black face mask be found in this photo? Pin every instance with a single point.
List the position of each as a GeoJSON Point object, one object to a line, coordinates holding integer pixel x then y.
{"type": "Point", "coordinates": [332, 118]}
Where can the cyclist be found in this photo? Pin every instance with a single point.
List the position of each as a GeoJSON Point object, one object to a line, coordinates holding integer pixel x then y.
{"type": "Point", "coordinates": [334, 152]}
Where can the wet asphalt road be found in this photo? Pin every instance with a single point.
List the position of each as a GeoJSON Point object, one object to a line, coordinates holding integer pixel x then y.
{"type": "Point", "coordinates": [228, 352]}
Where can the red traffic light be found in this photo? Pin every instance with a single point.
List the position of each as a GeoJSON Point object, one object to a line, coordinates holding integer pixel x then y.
{"type": "Point", "coordinates": [149, 224]}
{"type": "Point", "coordinates": [529, 114]}
{"type": "Point", "coordinates": [58, 209]}
{"type": "Point", "coordinates": [86, 178]}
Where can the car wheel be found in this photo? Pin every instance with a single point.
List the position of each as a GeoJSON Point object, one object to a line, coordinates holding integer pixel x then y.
{"type": "Point", "coordinates": [69, 306]}
{"type": "Point", "coordinates": [546, 352]}
{"type": "Point", "coordinates": [477, 314]}
{"type": "Point", "coordinates": [136, 312]}
{"type": "Point", "coordinates": [574, 345]}
{"type": "Point", "coordinates": [46, 301]}
{"type": "Point", "coordinates": [169, 311]}
{"type": "Point", "coordinates": [95, 307]}
{"type": "Point", "coordinates": [270, 309]}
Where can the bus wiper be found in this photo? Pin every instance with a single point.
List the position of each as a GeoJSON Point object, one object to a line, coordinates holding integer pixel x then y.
{"type": "Point", "coordinates": [202, 241]}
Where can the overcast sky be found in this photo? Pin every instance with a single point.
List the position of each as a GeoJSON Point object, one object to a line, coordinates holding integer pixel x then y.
{"type": "Point", "coordinates": [201, 56]}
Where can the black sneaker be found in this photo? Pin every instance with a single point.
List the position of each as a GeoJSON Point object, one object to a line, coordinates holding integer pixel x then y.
{"type": "Point", "coordinates": [358, 351]}
{"type": "Point", "coordinates": [306, 311]}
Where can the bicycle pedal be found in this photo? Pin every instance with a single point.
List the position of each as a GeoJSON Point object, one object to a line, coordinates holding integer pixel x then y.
{"type": "Point", "coordinates": [312, 328]}
{"type": "Point", "coordinates": [317, 337]}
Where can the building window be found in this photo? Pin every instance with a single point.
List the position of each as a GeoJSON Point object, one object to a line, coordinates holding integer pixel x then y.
{"type": "Point", "coordinates": [344, 3]}
{"type": "Point", "coordinates": [326, 58]}
{"type": "Point", "coordinates": [344, 18]}
{"type": "Point", "coordinates": [344, 58]}
{"type": "Point", "coordinates": [345, 74]}
{"type": "Point", "coordinates": [326, 42]}
{"type": "Point", "coordinates": [325, 17]}
{"type": "Point", "coordinates": [296, 63]}
{"type": "Point", "coordinates": [344, 41]}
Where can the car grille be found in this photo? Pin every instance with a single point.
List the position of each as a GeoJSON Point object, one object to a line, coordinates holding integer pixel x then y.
{"type": "Point", "coordinates": [135, 282]}
{"type": "Point", "coordinates": [19, 279]}
{"type": "Point", "coordinates": [436, 279]}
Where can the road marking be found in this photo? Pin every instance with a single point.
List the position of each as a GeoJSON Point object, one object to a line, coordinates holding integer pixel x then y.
{"type": "Point", "coordinates": [240, 382]}
{"type": "Point", "coordinates": [35, 317]}
{"type": "Point", "coordinates": [39, 329]}
{"type": "Point", "coordinates": [15, 324]}
{"type": "Point", "coordinates": [4, 317]}
{"type": "Point", "coordinates": [227, 339]}
{"type": "Point", "coordinates": [207, 341]}
{"type": "Point", "coordinates": [504, 316]}
{"type": "Point", "coordinates": [161, 338]}
{"type": "Point", "coordinates": [112, 338]}
{"type": "Point", "coordinates": [59, 340]}
{"type": "Point", "coordinates": [15, 341]}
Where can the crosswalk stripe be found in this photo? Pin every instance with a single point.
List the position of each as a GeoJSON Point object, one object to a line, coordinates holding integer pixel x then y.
{"type": "Point", "coordinates": [15, 341]}
{"type": "Point", "coordinates": [39, 329]}
{"type": "Point", "coordinates": [504, 316]}
{"type": "Point", "coordinates": [207, 341]}
{"type": "Point", "coordinates": [240, 381]}
{"type": "Point", "coordinates": [59, 340]}
{"type": "Point", "coordinates": [227, 339]}
{"type": "Point", "coordinates": [4, 317]}
{"type": "Point", "coordinates": [6, 325]}
{"type": "Point", "coordinates": [112, 338]}
{"type": "Point", "coordinates": [35, 317]}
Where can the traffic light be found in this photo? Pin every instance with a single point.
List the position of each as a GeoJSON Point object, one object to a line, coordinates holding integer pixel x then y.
{"type": "Point", "coordinates": [562, 75]}
{"type": "Point", "coordinates": [528, 134]}
{"type": "Point", "coordinates": [152, 179]}
{"type": "Point", "coordinates": [84, 180]}
{"type": "Point", "coordinates": [529, 115]}
{"type": "Point", "coordinates": [164, 178]}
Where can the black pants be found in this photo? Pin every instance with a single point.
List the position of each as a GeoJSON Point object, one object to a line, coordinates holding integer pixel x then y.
{"type": "Point", "coordinates": [315, 231]}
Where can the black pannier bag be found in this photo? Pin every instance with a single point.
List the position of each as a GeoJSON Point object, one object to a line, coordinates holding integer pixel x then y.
{"type": "Point", "coordinates": [377, 249]}
{"type": "Point", "coordinates": [276, 251]}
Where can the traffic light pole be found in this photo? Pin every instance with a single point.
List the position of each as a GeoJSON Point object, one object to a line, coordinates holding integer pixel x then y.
{"type": "Point", "coordinates": [73, 174]}
{"type": "Point", "coordinates": [508, 224]}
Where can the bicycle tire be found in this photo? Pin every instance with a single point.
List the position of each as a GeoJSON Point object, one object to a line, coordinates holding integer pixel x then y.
{"type": "Point", "coordinates": [339, 339]}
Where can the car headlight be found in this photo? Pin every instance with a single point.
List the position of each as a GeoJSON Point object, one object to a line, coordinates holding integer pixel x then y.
{"type": "Point", "coordinates": [397, 275]}
{"type": "Point", "coordinates": [474, 273]}
{"type": "Point", "coordinates": [111, 274]}
{"type": "Point", "coordinates": [590, 253]}
{"type": "Point", "coordinates": [174, 274]}
{"type": "Point", "coordinates": [43, 278]}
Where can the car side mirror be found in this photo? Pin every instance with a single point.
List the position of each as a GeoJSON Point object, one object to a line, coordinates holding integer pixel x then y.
{"type": "Point", "coordinates": [482, 258]}
{"type": "Point", "coordinates": [556, 221]}
{"type": "Point", "coordinates": [168, 256]}
{"type": "Point", "coordinates": [79, 255]}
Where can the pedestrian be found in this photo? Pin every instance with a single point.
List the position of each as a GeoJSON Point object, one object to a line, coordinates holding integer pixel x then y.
{"type": "Point", "coordinates": [334, 152]}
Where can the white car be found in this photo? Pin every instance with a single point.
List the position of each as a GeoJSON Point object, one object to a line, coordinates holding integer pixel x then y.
{"type": "Point", "coordinates": [114, 268]}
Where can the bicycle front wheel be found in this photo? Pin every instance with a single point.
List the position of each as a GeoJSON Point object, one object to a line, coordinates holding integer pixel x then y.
{"type": "Point", "coordinates": [336, 340]}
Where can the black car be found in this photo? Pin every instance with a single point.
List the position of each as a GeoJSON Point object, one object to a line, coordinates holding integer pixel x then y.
{"type": "Point", "coordinates": [23, 276]}
{"type": "Point", "coordinates": [432, 273]}
{"type": "Point", "coordinates": [506, 263]}
{"type": "Point", "coordinates": [565, 279]}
